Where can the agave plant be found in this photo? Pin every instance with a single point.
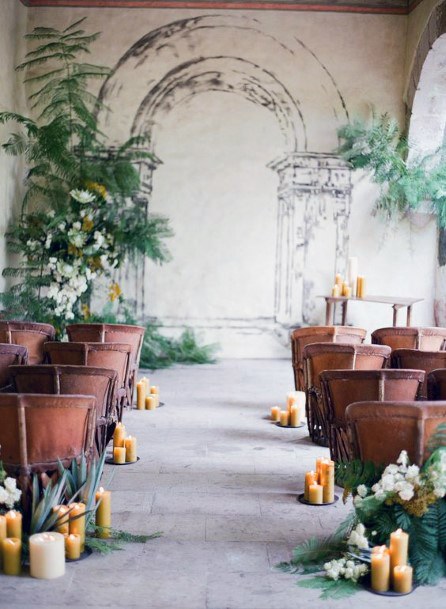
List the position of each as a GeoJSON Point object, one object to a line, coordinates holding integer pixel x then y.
{"type": "Point", "coordinates": [43, 518]}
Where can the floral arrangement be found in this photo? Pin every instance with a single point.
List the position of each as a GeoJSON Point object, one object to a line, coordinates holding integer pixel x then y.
{"type": "Point", "coordinates": [9, 493]}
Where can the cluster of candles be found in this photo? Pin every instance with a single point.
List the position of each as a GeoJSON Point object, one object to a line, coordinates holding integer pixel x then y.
{"type": "Point", "coordinates": [295, 407]}
{"type": "Point", "coordinates": [48, 551]}
{"type": "Point", "coordinates": [389, 568]}
{"type": "Point", "coordinates": [147, 397]}
{"type": "Point", "coordinates": [353, 285]}
{"type": "Point", "coordinates": [124, 446]}
{"type": "Point", "coordinates": [319, 484]}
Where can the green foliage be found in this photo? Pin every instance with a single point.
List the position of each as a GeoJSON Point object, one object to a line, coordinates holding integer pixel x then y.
{"type": "Point", "coordinates": [42, 516]}
{"type": "Point", "coordinates": [331, 589]}
{"type": "Point", "coordinates": [382, 149]}
{"type": "Point", "coordinates": [436, 441]}
{"type": "Point", "coordinates": [2, 473]}
{"type": "Point", "coordinates": [115, 541]}
{"type": "Point", "coordinates": [351, 474]}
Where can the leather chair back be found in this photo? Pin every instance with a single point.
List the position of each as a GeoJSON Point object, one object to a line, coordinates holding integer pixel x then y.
{"type": "Point", "coordinates": [28, 334]}
{"type": "Point", "coordinates": [10, 355]}
{"type": "Point", "coordinates": [421, 360]}
{"type": "Point", "coordinates": [425, 339]}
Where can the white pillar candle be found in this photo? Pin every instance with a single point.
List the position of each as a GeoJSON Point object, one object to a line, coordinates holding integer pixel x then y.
{"type": "Point", "coordinates": [47, 555]}
{"type": "Point", "coordinates": [352, 273]}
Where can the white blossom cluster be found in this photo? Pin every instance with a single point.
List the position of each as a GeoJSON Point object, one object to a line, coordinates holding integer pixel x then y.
{"type": "Point", "coordinates": [82, 196]}
{"type": "Point", "coordinates": [70, 281]}
{"type": "Point", "coordinates": [357, 538]}
{"type": "Point", "coordinates": [345, 568]}
{"type": "Point", "coordinates": [9, 493]}
{"type": "Point", "coordinates": [437, 475]}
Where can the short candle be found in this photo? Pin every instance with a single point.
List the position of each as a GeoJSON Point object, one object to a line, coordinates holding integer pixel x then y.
{"type": "Point", "coordinates": [12, 555]}
{"type": "Point", "coordinates": [73, 546]}
{"type": "Point", "coordinates": [154, 389]}
{"type": "Point", "coordinates": [119, 454]}
{"type": "Point", "coordinates": [310, 478]}
{"type": "Point", "coordinates": [47, 555]}
{"type": "Point", "coordinates": [62, 524]}
{"type": "Point", "coordinates": [284, 418]}
{"type": "Point", "coordinates": [315, 494]}
{"type": "Point", "coordinates": [150, 402]}
{"type": "Point", "coordinates": [275, 413]}
{"type": "Point", "coordinates": [14, 524]}
{"type": "Point", "coordinates": [130, 449]}
{"type": "Point", "coordinates": [380, 568]}
{"type": "Point", "coordinates": [402, 579]}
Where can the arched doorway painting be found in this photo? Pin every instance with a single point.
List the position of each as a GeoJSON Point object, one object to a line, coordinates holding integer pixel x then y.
{"type": "Point", "coordinates": [191, 58]}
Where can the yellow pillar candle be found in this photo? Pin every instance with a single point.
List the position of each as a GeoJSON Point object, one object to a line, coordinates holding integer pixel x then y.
{"type": "Point", "coordinates": [284, 418]}
{"type": "Point", "coordinates": [398, 549]}
{"type": "Point", "coordinates": [154, 389]}
{"type": "Point", "coordinates": [319, 462]}
{"type": "Point", "coordinates": [103, 512]}
{"type": "Point", "coordinates": [47, 555]}
{"type": "Point", "coordinates": [14, 524]}
{"type": "Point", "coordinates": [275, 413]}
{"type": "Point", "coordinates": [119, 435]}
{"type": "Point", "coordinates": [151, 402]}
{"type": "Point", "coordinates": [73, 546]}
{"type": "Point", "coordinates": [315, 494]}
{"type": "Point", "coordinates": [3, 534]}
{"type": "Point", "coordinates": [338, 280]}
{"type": "Point", "coordinates": [402, 579]}
{"type": "Point", "coordinates": [12, 555]}
{"type": "Point", "coordinates": [130, 449]}
{"type": "Point", "coordinates": [380, 566]}
{"type": "Point", "coordinates": [140, 395]}
{"type": "Point", "coordinates": [295, 416]}
{"type": "Point", "coordinates": [310, 478]}
{"type": "Point", "coordinates": [336, 291]}
{"type": "Point", "coordinates": [62, 523]}
{"type": "Point", "coordinates": [77, 521]}
{"type": "Point", "coordinates": [119, 454]}
{"type": "Point", "coordinates": [347, 292]}
{"type": "Point", "coordinates": [146, 382]}
{"type": "Point", "coordinates": [327, 480]}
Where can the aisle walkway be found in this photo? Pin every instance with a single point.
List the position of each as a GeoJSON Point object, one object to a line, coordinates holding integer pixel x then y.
{"type": "Point", "coordinates": [221, 483]}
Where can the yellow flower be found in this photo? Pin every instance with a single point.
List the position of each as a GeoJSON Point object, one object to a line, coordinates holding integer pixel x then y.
{"type": "Point", "coordinates": [114, 291]}
{"type": "Point", "coordinates": [74, 251]}
{"type": "Point", "coordinates": [99, 188]}
{"type": "Point", "coordinates": [85, 311]}
{"type": "Point", "coordinates": [87, 224]}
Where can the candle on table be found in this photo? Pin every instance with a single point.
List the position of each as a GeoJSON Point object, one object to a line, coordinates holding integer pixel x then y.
{"type": "Point", "coordinates": [347, 292]}
{"type": "Point", "coordinates": [62, 524]}
{"type": "Point", "coordinates": [310, 478]}
{"type": "Point", "coordinates": [360, 286]}
{"type": "Point", "coordinates": [327, 480]}
{"type": "Point", "coordinates": [352, 273]}
{"type": "Point", "coordinates": [380, 566]}
{"type": "Point", "coordinates": [284, 418]}
{"type": "Point", "coordinates": [402, 579]}
{"type": "Point", "coordinates": [12, 555]}
{"type": "Point", "coordinates": [130, 449]}
{"type": "Point", "coordinates": [119, 454]}
{"type": "Point", "coordinates": [103, 512]}
{"type": "Point", "coordinates": [77, 521]}
{"type": "Point", "coordinates": [119, 435]}
{"type": "Point", "coordinates": [275, 413]}
{"type": "Point", "coordinates": [151, 402]}
{"type": "Point", "coordinates": [345, 287]}
{"type": "Point", "coordinates": [47, 555]}
{"type": "Point", "coordinates": [398, 549]}
{"type": "Point", "coordinates": [315, 494]}
{"type": "Point", "coordinates": [14, 524]}
{"type": "Point", "coordinates": [338, 280]}
{"type": "Point", "coordinates": [73, 546]}
{"type": "Point", "coordinates": [295, 416]}
{"type": "Point", "coordinates": [140, 395]}
{"type": "Point", "coordinates": [336, 291]}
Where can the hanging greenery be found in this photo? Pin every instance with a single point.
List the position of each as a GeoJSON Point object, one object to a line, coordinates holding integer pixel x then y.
{"type": "Point", "coordinates": [381, 148]}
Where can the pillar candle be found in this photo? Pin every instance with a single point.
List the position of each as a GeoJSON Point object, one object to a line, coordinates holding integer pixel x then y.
{"type": "Point", "coordinates": [352, 273]}
{"type": "Point", "coordinates": [140, 395]}
{"type": "Point", "coordinates": [360, 287]}
{"type": "Point", "coordinates": [62, 524]}
{"type": "Point", "coordinates": [103, 512]}
{"type": "Point", "coordinates": [319, 462]}
{"type": "Point", "coordinates": [275, 413]}
{"type": "Point", "coordinates": [295, 416]}
{"type": "Point", "coordinates": [338, 280]}
{"type": "Point", "coordinates": [399, 545]}
{"type": "Point", "coordinates": [310, 478]}
{"type": "Point", "coordinates": [402, 579]}
{"type": "Point", "coordinates": [315, 494]}
{"type": "Point", "coordinates": [347, 292]}
{"type": "Point", "coordinates": [345, 287]}
{"type": "Point", "coordinates": [146, 382]}
{"type": "Point", "coordinates": [154, 389]}
{"type": "Point", "coordinates": [77, 521]}
{"type": "Point", "coordinates": [14, 524]}
{"type": "Point", "coordinates": [151, 402]}
{"type": "Point", "coordinates": [47, 555]}
{"type": "Point", "coordinates": [119, 454]}
{"type": "Point", "coordinates": [284, 418]}
{"type": "Point", "coordinates": [119, 435]}
{"type": "Point", "coordinates": [130, 449]}
{"type": "Point", "coordinates": [3, 534]}
{"type": "Point", "coordinates": [73, 546]}
{"type": "Point", "coordinates": [327, 480]}
{"type": "Point", "coordinates": [336, 291]}
{"type": "Point", "coordinates": [363, 292]}
{"type": "Point", "coordinates": [12, 555]}
{"type": "Point", "coordinates": [380, 566]}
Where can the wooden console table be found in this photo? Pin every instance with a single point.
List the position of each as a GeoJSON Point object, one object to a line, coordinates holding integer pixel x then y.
{"type": "Point", "coordinates": [397, 304]}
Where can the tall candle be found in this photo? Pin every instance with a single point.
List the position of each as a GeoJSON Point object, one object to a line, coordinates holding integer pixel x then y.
{"type": "Point", "coordinates": [103, 512]}
{"type": "Point", "coordinates": [140, 395]}
{"type": "Point", "coordinates": [315, 494]}
{"type": "Point", "coordinates": [130, 449]}
{"type": "Point", "coordinates": [327, 480]}
{"type": "Point", "coordinates": [151, 402]}
{"type": "Point", "coordinates": [73, 546]}
{"type": "Point", "coordinates": [14, 524]}
{"type": "Point", "coordinates": [62, 523]}
{"type": "Point", "coordinates": [77, 521]}
{"type": "Point", "coordinates": [352, 273]}
{"type": "Point", "coordinates": [47, 555]}
{"type": "Point", "coordinates": [380, 578]}
{"type": "Point", "coordinates": [119, 435]}
{"type": "Point", "coordinates": [310, 478]}
{"type": "Point", "coordinates": [294, 416]}
{"type": "Point", "coordinates": [12, 555]}
{"type": "Point", "coordinates": [275, 413]}
{"type": "Point", "coordinates": [402, 579]}
{"type": "Point", "coordinates": [319, 462]}
{"type": "Point", "coordinates": [3, 535]}
{"type": "Point", "coordinates": [284, 418]}
{"type": "Point", "coordinates": [398, 549]}
{"type": "Point", "coordinates": [146, 382]}
{"type": "Point", "coordinates": [119, 454]}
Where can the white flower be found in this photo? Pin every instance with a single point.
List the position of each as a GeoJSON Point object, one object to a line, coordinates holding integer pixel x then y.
{"type": "Point", "coordinates": [4, 495]}
{"type": "Point", "coordinates": [412, 474]}
{"type": "Point", "coordinates": [77, 225]}
{"type": "Point", "coordinates": [357, 501]}
{"type": "Point", "coordinates": [61, 226]}
{"type": "Point", "coordinates": [51, 213]}
{"type": "Point", "coordinates": [403, 459]}
{"type": "Point", "coordinates": [82, 196]}
{"type": "Point", "coordinates": [10, 484]}
{"type": "Point", "coordinates": [391, 469]}
{"type": "Point", "coordinates": [388, 482]}
{"type": "Point", "coordinates": [407, 492]}
{"type": "Point", "coordinates": [362, 490]}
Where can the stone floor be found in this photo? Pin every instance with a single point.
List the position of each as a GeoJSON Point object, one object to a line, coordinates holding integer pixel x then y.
{"type": "Point", "coordinates": [220, 481]}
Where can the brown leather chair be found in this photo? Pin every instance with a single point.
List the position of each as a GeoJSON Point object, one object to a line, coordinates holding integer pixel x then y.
{"type": "Point", "coordinates": [10, 355]}
{"type": "Point", "coordinates": [379, 431]}
{"type": "Point", "coordinates": [425, 339]}
{"type": "Point", "coordinates": [343, 387]}
{"type": "Point", "coordinates": [420, 360]}
{"type": "Point", "coordinates": [74, 380]}
{"type": "Point", "coordinates": [301, 337]}
{"type": "Point", "coordinates": [113, 333]}
{"type": "Point", "coordinates": [36, 431]}
{"type": "Point", "coordinates": [331, 356]}
{"type": "Point", "coordinates": [114, 356]}
{"type": "Point", "coordinates": [436, 384]}
{"type": "Point", "coordinates": [28, 334]}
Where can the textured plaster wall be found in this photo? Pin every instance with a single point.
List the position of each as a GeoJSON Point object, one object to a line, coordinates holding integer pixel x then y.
{"type": "Point", "coordinates": [214, 183]}
{"type": "Point", "coordinates": [12, 28]}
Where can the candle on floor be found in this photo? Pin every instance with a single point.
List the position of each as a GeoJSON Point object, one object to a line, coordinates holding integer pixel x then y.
{"type": "Point", "coordinates": [140, 395]}
{"type": "Point", "coordinates": [47, 555]}
{"type": "Point", "coordinates": [319, 462]}
{"type": "Point", "coordinates": [14, 524]}
{"type": "Point", "coordinates": [380, 567]}
{"type": "Point", "coordinates": [310, 478]}
{"type": "Point", "coordinates": [295, 416]}
{"type": "Point", "coordinates": [315, 494]}
{"type": "Point", "coordinates": [284, 418]}
{"type": "Point", "coordinates": [3, 534]}
{"type": "Point", "coordinates": [146, 382]}
{"type": "Point", "coordinates": [77, 521]}
{"type": "Point", "coordinates": [151, 402]}
{"type": "Point", "coordinates": [12, 555]}
{"type": "Point", "coordinates": [73, 546]}
{"type": "Point", "coordinates": [402, 579]}
{"type": "Point", "coordinates": [103, 512]}
{"type": "Point", "coordinates": [130, 449]}
{"type": "Point", "coordinates": [275, 413]}
{"type": "Point", "coordinates": [154, 389]}
{"type": "Point", "coordinates": [119, 454]}
{"type": "Point", "coordinates": [119, 435]}
{"type": "Point", "coordinates": [327, 477]}
{"type": "Point", "coordinates": [398, 549]}
{"type": "Point", "coordinates": [62, 524]}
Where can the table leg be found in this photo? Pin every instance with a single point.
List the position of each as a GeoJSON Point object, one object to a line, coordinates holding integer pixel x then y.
{"type": "Point", "coordinates": [409, 315]}
{"type": "Point", "coordinates": [328, 313]}
{"type": "Point", "coordinates": [344, 312]}
{"type": "Point", "coordinates": [395, 315]}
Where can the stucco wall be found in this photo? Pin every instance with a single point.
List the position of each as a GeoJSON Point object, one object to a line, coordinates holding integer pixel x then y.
{"type": "Point", "coordinates": [214, 182]}
{"type": "Point", "coordinates": [12, 28]}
